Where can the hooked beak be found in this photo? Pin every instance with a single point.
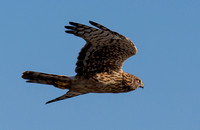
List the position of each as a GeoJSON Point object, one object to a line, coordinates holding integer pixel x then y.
{"type": "Point", "coordinates": [142, 85]}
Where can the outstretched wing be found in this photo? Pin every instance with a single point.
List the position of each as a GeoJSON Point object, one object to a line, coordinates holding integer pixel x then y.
{"type": "Point", "coordinates": [69, 94]}
{"type": "Point", "coordinates": [105, 50]}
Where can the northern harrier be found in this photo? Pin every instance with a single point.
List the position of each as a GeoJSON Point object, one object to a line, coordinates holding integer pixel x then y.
{"type": "Point", "coordinates": [99, 65]}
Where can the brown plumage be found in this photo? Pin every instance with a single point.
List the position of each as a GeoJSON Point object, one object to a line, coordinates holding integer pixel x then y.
{"type": "Point", "coordinates": [99, 65]}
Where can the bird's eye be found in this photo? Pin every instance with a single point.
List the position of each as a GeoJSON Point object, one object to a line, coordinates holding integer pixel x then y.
{"type": "Point", "coordinates": [138, 80]}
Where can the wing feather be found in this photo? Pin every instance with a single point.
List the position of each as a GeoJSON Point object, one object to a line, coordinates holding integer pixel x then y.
{"type": "Point", "coordinates": [69, 94]}
{"type": "Point", "coordinates": [105, 50]}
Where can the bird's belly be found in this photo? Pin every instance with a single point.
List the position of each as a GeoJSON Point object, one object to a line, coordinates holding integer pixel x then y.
{"type": "Point", "coordinates": [100, 88]}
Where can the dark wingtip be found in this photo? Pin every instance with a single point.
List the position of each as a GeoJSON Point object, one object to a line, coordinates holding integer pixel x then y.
{"type": "Point", "coordinates": [69, 31]}
{"type": "Point", "coordinates": [49, 101]}
{"type": "Point", "coordinates": [93, 23]}
{"type": "Point", "coordinates": [73, 23]}
{"type": "Point", "coordinates": [69, 27]}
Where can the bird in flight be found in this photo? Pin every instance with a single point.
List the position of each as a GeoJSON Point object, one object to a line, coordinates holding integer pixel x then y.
{"type": "Point", "coordinates": [99, 65]}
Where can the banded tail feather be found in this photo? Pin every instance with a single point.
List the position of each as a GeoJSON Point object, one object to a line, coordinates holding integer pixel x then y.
{"type": "Point", "coordinates": [59, 81]}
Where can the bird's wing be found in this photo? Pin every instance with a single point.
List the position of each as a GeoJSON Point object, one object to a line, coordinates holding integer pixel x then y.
{"type": "Point", "coordinates": [69, 94]}
{"type": "Point", "coordinates": [105, 50]}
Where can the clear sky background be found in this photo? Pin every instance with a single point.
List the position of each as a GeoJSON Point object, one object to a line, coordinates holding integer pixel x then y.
{"type": "Point", "coordinates": [166, 33]}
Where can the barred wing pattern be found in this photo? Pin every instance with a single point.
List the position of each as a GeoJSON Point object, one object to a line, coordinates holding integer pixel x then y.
{"type": "Point", "coordinates": [105, 50]}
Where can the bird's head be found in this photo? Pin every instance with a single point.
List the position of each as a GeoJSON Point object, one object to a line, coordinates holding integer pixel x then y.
{"type": "Point", "coordinates": [138, 83]}
{"type": "Point", "coordinates": [132, 81]}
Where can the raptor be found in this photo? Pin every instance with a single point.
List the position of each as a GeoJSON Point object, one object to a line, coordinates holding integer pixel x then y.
{"type": "Point", "coordinates": [99, 65]}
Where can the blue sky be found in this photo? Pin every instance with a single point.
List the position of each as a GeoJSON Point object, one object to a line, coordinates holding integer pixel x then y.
{"type": "Point", "coordinates": [166, 33]}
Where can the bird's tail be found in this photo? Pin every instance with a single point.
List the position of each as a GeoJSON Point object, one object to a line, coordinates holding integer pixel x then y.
{"type": "Point", "coordinates": [58, 81]}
